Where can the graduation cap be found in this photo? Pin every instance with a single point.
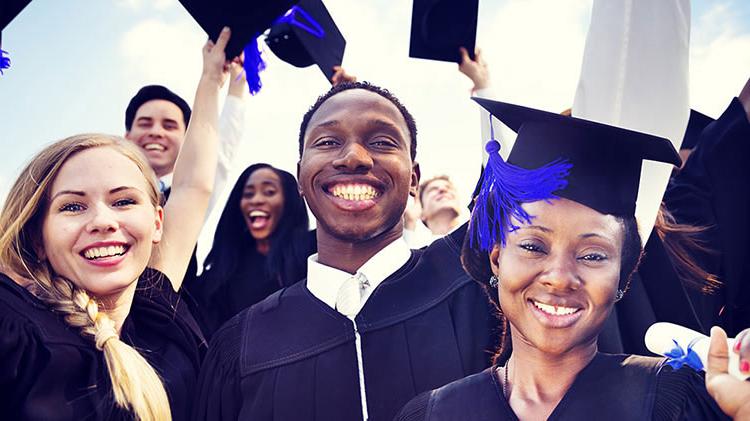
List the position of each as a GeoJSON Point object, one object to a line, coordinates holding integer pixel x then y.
{"type": "Point", "coordinates": [307, 35]}
{"type": "Point", "coordinates": [594, 164]}
{"type": "Point", "coordinates": [247, 19]}
{"type": "Point", "coordinates": [440, 27]}
{"type": "Point", "coordinates": [9, 9]}
{"type": "Point", "coordinates": [697, 122]}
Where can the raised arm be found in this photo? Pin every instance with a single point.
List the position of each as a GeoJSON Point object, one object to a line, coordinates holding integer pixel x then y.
{"type": "Point", "coordinates": [195, 169]}
{"type": "Point", "coordinates": [231, 129]}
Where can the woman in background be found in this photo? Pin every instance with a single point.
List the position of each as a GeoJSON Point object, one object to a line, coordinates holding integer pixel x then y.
{"type": "Point", "coordinates": [261, 244]}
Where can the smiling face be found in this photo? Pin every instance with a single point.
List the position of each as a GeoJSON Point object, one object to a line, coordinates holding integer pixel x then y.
{"type": "Point", "coordinates": [158, 130]}
{"type": "Point", "coordinates": [438, 196]}
{"type": "Point", "coordinates": [356, 171]}
{"type": "Point", "coordinates": [559, 275]}
{"type": "Point", "coordinates": [100, 225]}
{"type": "Point", "coordinates": [262, 203]}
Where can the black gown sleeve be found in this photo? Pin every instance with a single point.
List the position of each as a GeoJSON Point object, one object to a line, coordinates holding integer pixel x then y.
{"type": "Point", "coordinates": [681, 395]}
{"type": "Point", "coordinates": [711, 190]}
{"type": "Point", "coordinates": [219, 395]}
{"type": "Point", "coordinates": [416, 409]}
{"type": "Point", "coordinates": [20, 350]}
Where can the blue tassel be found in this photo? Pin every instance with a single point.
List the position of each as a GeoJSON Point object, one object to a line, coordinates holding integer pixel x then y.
{"type": "Point", "coordinates": [253, 65]}
{"type": "Point", "coordinates": [311, 26]}
{"type": "Point", "coordinates": [505, 187]}
{"type": "Point", "coordinates": [678, 357]}
{"type": "Point", "coordinates": [4, 61]}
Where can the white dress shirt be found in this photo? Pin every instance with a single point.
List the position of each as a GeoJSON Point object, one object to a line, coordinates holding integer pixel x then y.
{"type": "Point", "coordinates": [324, 281]}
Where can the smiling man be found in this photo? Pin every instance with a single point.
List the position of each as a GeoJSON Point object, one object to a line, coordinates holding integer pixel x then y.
{"type": "Point", "coordinates": [441, 211]}
{"type": "Point", "coordinates": [374, 323]}
{"type": "Point", "coordinates": [156, 120]}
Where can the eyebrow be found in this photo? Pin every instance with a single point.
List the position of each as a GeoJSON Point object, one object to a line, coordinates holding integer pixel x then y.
{"type": "Point", "coordinates": [262, 183]}
{"type": "Point", "coordinates": [537, 227]}
{"type": "Point", "coordinates": [82, 194]}
{"type": "Point", "coordinates": [595, 235]}
{"type": "Point", "coordinates": [328, 123]}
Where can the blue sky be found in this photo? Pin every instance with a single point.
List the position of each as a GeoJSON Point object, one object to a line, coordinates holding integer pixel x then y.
{"type": "Point", "coordinates": [76, 63]}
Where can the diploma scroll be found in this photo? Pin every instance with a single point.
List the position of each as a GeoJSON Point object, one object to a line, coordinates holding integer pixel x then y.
{"type": "Point", "coordinates": [661, 337]}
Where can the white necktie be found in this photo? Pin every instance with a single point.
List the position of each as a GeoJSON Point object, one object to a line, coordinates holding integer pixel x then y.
{"type": "Point", "coordinates": [349, 297]}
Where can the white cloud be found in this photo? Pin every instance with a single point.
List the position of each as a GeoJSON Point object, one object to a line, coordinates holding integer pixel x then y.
{"type": "Point", "coordinates": [166, 53]}
{"type": "Point", "coordinates": [719, 58]}
{"type": "Point", "coordinates": [140, 5]}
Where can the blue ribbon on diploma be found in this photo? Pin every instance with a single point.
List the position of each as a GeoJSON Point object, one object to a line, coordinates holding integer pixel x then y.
{"type": "Point", "coordinates": [678, 356]}
{"type": "Point", "coordinates": [4, 61]}
{"type": "Point", "coordinates": [311, 26]}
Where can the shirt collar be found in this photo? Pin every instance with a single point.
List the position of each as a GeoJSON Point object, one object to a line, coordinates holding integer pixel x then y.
{"type": "Point", "coordinates": [324, 281]}
{"type": "Point", "coordinates": [167, 180]}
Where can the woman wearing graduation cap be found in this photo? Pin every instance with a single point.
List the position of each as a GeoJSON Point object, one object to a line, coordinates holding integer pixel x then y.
{"type": "Point", "coordinates": [91, 325]}
{"type": "Point", "coordinates": [554, 240]}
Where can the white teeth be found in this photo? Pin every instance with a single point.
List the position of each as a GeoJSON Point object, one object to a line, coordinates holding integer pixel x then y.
{"type": "Point", "coordinates": [153, 147]}
{"type": "Point", "coordinates": [555, 310]}
{"type": "Point", "coordinates": [98, 252]}
{"type": "Point", "coordinates": [354, 192]}
{"type": "Point", "coordinates": [257, 213]}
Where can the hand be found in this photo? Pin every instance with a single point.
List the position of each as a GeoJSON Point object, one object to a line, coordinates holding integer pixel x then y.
{"type": "Point", "coordinates": [237, 77]}
{"type": "Point", "coordinates": [340, 76]}
{"type": "Point", "coordinates": [744, 98]}
{"type": "Point", "coordinates": [476, 69]}
{"type": "Point", "coordinates": [215, 66]}
{"type": "Point", "coordinates": [732, 394]}
{"type": "Point", "coordinates": [412, 214]}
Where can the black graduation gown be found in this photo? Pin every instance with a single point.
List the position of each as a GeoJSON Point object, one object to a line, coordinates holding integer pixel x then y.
{"type": "Point", "coordinates": [217, 302]}
{"type": "Point", "coordinates": [712, 190]}
{"type": "Point", "coordinates": [292, 357]}
{"type": "Point", "coordinates": [49, 372]}
{"type": "Point", "coordinates": [610, 387]}
{"type": "Point", "coordinates": [213, 301]}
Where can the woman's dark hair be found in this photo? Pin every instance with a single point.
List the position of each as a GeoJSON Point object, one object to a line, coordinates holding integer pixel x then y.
{"type": "Point", "coordinates": [686, 246]}
{"type": "Point", "coordinates": [290, 242]}
{"type": "Point", "coordinates": [477, 264]}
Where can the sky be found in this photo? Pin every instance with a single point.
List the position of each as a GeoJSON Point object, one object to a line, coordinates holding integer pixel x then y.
{"type": "Point", "coordinates": [77, 63]}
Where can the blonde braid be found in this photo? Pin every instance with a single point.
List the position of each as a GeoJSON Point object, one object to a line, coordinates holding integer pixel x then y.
{"type": "Point", "coordinates": [135, 384]}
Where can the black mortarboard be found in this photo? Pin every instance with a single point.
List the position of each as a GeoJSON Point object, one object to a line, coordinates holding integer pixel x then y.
{"type": "Point", "coordinates": [696, 124]}
{"type": "Point", "coordinates": [440, 27]}
{"type": "Point", "coordinates": [247, 18]}
{"type": "Point", "coordinates": [606, 160]}
{"type": "Point", "coordinates": [308, 35]}
{"type": "Point", "coordinates": [9, 9]}
{"type": "Point", "coordinates": [149, 93]}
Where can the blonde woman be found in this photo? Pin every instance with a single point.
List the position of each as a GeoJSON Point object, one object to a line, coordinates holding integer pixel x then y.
{"type": "Point", "coordinates": [91, 326]}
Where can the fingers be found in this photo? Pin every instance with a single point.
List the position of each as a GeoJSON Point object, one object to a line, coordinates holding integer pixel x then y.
{"type": "Point", "coordinates": [742, 347]}
{"type": "Point", "coordinates": [478, 55]}
{"type": "Point", "coordinates": [718, 354]}
{"type": "Point", "coordinates": [221, 43]}
{"type": "Point", "coordinates": [208, 46]}
{"type": "Point", "coordinates": [464, 55]}
{"type": "Point", "coordinates": [340, 76]}
{"type": "Point", "coordinates": [337, 72]}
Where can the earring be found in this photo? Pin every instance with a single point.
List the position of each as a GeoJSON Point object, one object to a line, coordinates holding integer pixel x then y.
{"type": "Point", "coordinates": [494, 282]}
{"type": "Point", "coordinates": [619, 294]}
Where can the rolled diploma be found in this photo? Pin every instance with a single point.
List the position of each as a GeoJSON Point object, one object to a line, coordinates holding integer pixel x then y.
{"type": "Point", "coordinates": [659, 341]}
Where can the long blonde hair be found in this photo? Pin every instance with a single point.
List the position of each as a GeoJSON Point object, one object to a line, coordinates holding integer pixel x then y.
{"type": "Point", "coordinates": [136, 385]}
